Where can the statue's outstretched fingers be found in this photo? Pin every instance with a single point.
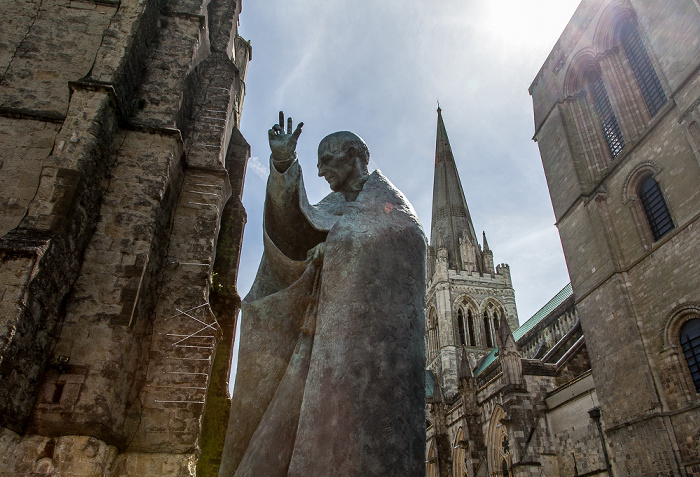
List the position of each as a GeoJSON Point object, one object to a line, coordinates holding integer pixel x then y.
{"type": "Point", "coordinates": [297, 131]}
{"type": "Point", "coordinates": [289, 125]}
{"type": "Point", "coordinates": [282, 120]}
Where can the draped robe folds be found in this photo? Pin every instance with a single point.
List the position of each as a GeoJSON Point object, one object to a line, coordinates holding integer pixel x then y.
{"type": "Point", "coordinates": [331, 363]}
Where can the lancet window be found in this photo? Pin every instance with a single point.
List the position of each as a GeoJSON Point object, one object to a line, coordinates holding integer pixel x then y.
{"type": "Point", "coordinates": [642, 67]}
{"type": "Point", "coordinates": [690, 342]}
{"type": "Point", "coordinates": [606, 114]}
{"type": "Point", "coordinates": [496, 320]}
{"type": "Point", "coordinates": [432, 335]}
{"type": "Point", "coordinates": [487, 330]}
{"type": "Point", "coordinates": [460, 326]}
{"type": "Point", "coordinates": [470, 328]}
{"type": "Point", "coordinates": [655, 208]}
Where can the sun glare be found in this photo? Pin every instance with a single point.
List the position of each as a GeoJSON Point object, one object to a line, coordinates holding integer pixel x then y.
{"type": "Point", "coordinates": [526, 26]}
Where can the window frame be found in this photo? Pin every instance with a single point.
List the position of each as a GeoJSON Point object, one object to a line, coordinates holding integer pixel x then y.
{"type": "Point", "coordinates": [693, 349]}
{"type": "Point", "coordinates": [655, 207]}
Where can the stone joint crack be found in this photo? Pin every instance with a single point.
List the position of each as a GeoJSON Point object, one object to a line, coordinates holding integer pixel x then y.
{"type": "Point", "coordinates": [26, 34]}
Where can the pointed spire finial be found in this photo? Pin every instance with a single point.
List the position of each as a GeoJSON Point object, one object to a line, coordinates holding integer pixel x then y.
{"type": "Point", "coordinates": [486, 244]}
{"type": "Point", "coordinates": [439, 109]}
{"type": "Point", "coordinates": [504, 332]}
{"type": "Point", "coordinates": [450, 212]}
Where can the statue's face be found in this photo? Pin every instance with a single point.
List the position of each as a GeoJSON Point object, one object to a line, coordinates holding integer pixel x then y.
{"type": "Point", "coordinates": [339, 169]}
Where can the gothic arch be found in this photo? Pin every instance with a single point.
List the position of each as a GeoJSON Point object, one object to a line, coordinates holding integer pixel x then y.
{"type": "Point", "coordinates": [432, 334]}
{"type": "Point", "coordinates": [492, 303]}
{"type": "Point", "coordinates": [488, 318]}
{"type": "Point", "coordinates": [607, 32]}
{"type": "Point", "coordinates": [629, 190]}
{"type": "Point", "coordinates": [431, 463]}
{"type": "Point", "coordinates": [675, 320]}
{"type": "Point", "coordinates": [465, 301]}
{"type": "Point", "coordinates": [630, 197]}
{"type": "Point", "coordinates": [498, 444]}
{"type": "Point", "coordinates": [574, 80]}
{"type": "Point", "coordinates": [459, 455]}
{"type": "Point", "coordinates": [468, 306]}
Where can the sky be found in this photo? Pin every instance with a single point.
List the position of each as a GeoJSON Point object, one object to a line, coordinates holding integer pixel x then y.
{"type": "Point", "coordinates": [378, 68]}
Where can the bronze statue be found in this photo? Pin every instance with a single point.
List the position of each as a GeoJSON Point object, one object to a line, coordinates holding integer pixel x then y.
{"type": "Point", "coordinates": [331, 365]}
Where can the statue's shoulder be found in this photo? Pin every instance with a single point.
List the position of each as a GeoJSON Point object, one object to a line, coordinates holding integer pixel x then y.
{"type": "Point", "coordinates": [382, 190]}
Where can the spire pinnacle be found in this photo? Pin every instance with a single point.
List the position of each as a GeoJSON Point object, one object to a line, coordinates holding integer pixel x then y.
{"type": "Point", "coordinates": [504, 332]}
{"type": "Point", "coordinates": [443, 151]}
{"type": "Point", "coordinates": [486, 244]}
{"type": "Point", "coordinates": [451, 219]}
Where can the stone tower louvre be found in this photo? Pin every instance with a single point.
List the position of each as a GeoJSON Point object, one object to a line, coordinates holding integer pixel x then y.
{"type": "Point", "coordinates": [121, 171]}
{"type": "Point", "coordinates": [466, 294]}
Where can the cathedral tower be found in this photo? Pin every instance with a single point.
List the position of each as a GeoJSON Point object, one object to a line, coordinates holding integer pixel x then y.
{"type": "Point", "coordinates": [466, 294]}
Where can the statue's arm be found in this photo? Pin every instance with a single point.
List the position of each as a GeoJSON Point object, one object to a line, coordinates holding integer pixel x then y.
{"type": "Point", "coordinates": [285, 223]}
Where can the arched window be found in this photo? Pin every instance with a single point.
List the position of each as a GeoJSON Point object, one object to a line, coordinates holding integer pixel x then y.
{"type": "Point", "coordinates": [431, 463]}
{"type": "Point", "coordinates": [487, 331]}
{"type": "Point", "coordinates": [496, 319]}
{"type": "Point", "coordinates": [655, 208]}
{"type": "Point", "coordinates": [433, 332]}
{"type": "Point", "coordinates": [604, 110]}
{"type": "Point", "coordinates": [459, 457]}
{"type": "Point", "coordinates": [690, 341]}
{"type": "Point", "coordinates": [643, 69]}
{"type": "Point", "coordinates": [460, 326]}
{"type": "Point", "coordinates": [470, 327]}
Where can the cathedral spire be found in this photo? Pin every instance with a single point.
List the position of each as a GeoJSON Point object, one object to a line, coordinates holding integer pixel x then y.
{"type": "Point", "coordinates": [451, 220]}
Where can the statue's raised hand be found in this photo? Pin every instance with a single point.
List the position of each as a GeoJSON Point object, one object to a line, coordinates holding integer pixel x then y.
{"type": "Point", "coordinates": [283, 145]}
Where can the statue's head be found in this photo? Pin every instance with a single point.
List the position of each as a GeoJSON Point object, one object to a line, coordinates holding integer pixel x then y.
{"type": "Point", "coordinates": [343, 158]}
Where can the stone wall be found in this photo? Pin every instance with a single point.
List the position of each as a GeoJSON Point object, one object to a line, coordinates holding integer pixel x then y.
{"type": "Point", "coordinates": [120, 156]}
{"type": "Point", "coordinates": [632, 290]}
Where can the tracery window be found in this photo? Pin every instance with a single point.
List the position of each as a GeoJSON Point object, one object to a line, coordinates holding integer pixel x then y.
{"type": "Point", "coordinates": [487, 331]}
{"type": "Point", "coordinates": [496, 320]}
{"type": "Point", "coordinates": [606, 115]}
{"type": "Point", "coordinates": [642, 68]}
{"type": "Point", "coordinates": [460, 326]}
{"type": "Point", "coordinates": [690, 342]}
{"type": "Point", "coordinates": [432, 335]}
{"type": "Point", "coordinates": [470, 327]}
{"type": "Point", "coordinates": [459, 457]}
{"type": "Point", "coordinates": [431, 463]}
{"type": "Point", "coordinates": [655, 208]}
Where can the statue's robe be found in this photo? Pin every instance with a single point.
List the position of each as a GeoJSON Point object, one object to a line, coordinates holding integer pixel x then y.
{"type": "Point", "coordinates": [332, 355]}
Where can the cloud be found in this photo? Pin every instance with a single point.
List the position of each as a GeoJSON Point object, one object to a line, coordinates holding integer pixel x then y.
{"type": "Point", "coordinates": [260, 169]}
{"type": "Point", "coordinates": [377, 68]}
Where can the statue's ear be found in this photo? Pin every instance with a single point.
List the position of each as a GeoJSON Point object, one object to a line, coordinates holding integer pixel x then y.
{"type": "Point", "coordinates": [351, 152]}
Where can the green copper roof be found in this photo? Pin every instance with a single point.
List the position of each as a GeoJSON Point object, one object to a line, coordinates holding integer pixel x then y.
{"type": "Point", "coordinates": [551, 305]}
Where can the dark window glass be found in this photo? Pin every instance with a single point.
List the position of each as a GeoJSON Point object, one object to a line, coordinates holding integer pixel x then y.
{"type": "Point", "coordinates": [690, 341]}
{"type": "Point", "coordinates": [487, 330]}
{"type": "Point", "coordinates": [460, 324]}
{"type": "Point", "coordinates": [655, 208]}
{"type": "Point", "coordinates": [603, 107]}
{"type": "Point", "coordinates": [495, 326]}
{"type": "Point", "coordinates": [470, 326]}
{"type": "Point", "coordinates": [643, 70]}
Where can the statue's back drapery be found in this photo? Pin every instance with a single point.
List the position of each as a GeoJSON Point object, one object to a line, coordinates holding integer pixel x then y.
{"type": "Point", "coordinates": [331, 365]}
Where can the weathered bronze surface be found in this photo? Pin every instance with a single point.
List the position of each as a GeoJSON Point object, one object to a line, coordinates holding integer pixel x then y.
{"type": "Point", "coordinates": [331, 365]}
